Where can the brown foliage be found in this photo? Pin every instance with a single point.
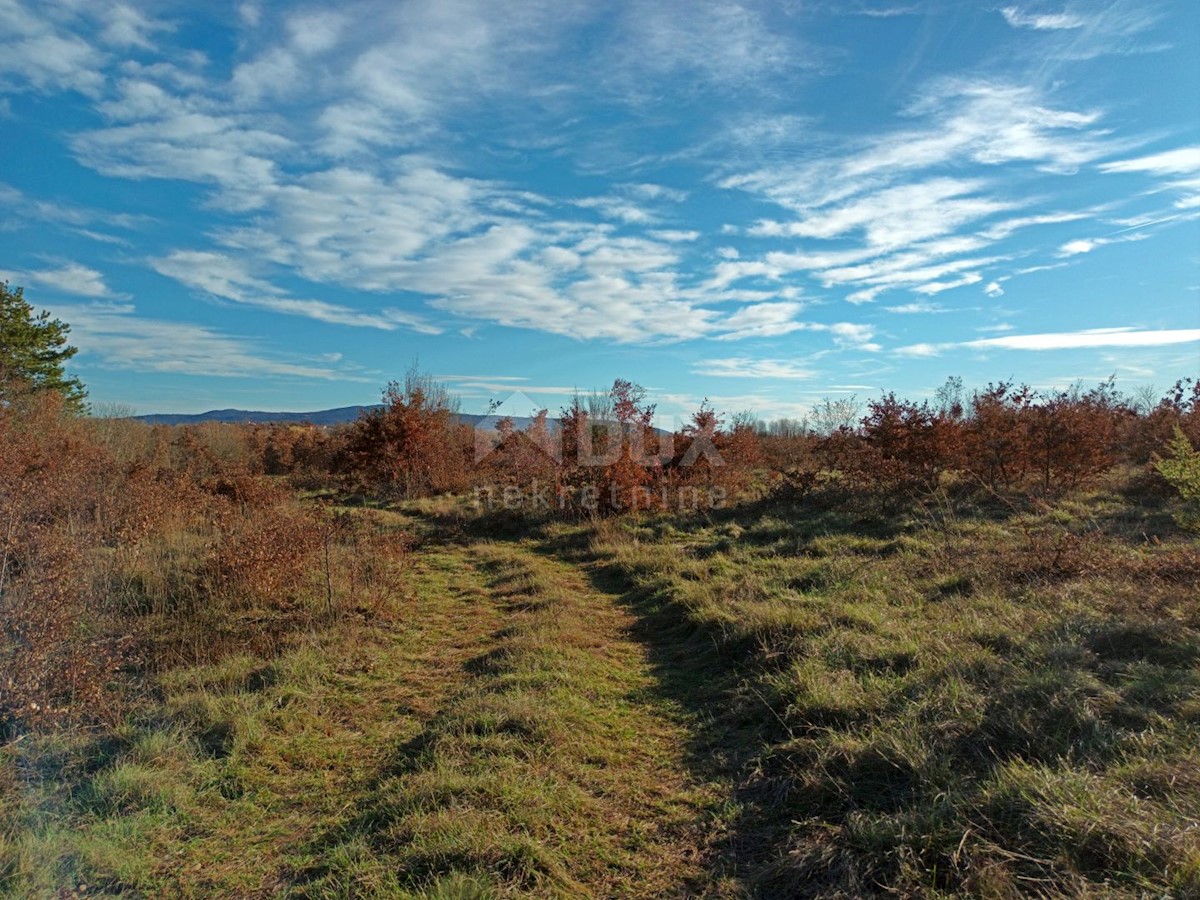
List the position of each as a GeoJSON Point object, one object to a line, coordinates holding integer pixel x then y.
{"type": "Point", "coordinates": [122, 551]}
{"type": "Point", "coordinates": [412, 447]}
{"type": "Point", "coordinates": [52, 504]}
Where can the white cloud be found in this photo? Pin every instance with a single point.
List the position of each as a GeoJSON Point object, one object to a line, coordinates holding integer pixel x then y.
{"type": "Point", "coordinates": [117, 338]}
{"type": "Point", "coordinates": [37, 52]}
{"type": "Point", "coordinates": [276, 74]}
{"type": "Point", "coordinates": [673, 236]}
{"type": "Point", "coordinates": [749, 367]}
{"type": "Point", "coordinates": [1075, 247]}
{"type": "Point", "coordinates": [1018, 18]}
{"type": "Point", "coordinates": [214, 274]}
{"type": "Point", "coordinates": [922, 350]}
{"type": "Point", "coordinates": [1180, 161]}
{"type": "Point", "coordinates": [937, 287]}
{"type": "Point", "coordinates": [22, 207]}
{"type": "Point", "coordinates": [899, 216]}
{"type": "Point", "coordinates": [712, 43]}
{"type": "Point", "coordinates": [43, 45]}
{"type": "Point", "coordinates": [993, 289]}
{"type": "Point", "coordinates": [310, 144]}
{"type": "Point", "coordinates": [317, 32]}
{"type": "Point", "coordinates": [503, 385]}
{"type": "Point", "coordinates": [857, 336]}
{"type": "Point", "coordinates": [1087, 245]}
{"type": "Point", "coordinates": [903, 270]}
{"type": "Point", "coordinates": [229, 279]}
{"type": "Point", "coordinates": [892, 197]}
{"type": "Point", "coordinates": [887, 12]}
{"type": "Point", "coordinates": [761, 320]}
{"type": "Point", "coordinates": [920, 307]}
{"type": "Point", "coordinates": [1094, 337]}
{"type": "Point", "coordinates": [1170, 162]}
{"type": "Point", "coordinates": [617, 208]}
{"type": "Point", "coordinates": [655, 192]}
{"type": "Point", "coordinates": [1070, 340]}
{"type": "Point", "coordinates": [71, 278]}
{"type": "Point", "coordinates": [1001, 230]}
{"type": "Point", "coordinates": [867, 295]}
{"type": "Point", "coordinates": [1029, 270]}
{"type": "Point", "coordinates": [127, 27]}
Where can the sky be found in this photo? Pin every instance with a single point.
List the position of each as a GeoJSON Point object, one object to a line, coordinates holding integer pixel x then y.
{"type": "Point", "coordinates": [284, 206]}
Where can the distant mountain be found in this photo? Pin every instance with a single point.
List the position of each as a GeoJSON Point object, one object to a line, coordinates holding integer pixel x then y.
{"type": "Point", "coordinates": [338, 416]}
{"type": "Point", "coordinates": [245, 416]}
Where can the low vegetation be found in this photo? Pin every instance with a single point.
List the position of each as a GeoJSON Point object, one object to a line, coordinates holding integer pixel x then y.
{"type": "Point", "coordinates": [938, 649]}
{"type": "Point", "coordinates": [966, 701]}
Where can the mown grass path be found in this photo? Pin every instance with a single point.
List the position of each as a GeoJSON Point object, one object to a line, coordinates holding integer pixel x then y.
{"type": "Point", "coordinates": [558, 768]}
{"type": "Point", "coordinates": [503, 728]}
{"type": "Point", "coordinates": [222, 788]}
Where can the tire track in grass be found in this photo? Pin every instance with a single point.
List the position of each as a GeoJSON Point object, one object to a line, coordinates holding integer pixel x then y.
{"type": "Point", "coordinates": [223, 790]}
{"type": "Point", "coordinates": [557, 770]}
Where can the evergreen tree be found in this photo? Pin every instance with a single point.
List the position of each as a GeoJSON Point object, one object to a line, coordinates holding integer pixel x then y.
{"type": "Point", "coordinates": [33, 350]}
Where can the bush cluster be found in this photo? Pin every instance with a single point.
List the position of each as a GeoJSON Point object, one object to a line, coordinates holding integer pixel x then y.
{"type": "Point", "coordinates": [126, 548]}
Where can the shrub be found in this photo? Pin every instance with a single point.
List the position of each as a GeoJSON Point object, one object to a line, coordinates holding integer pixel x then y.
{"type": "Point", "coordinates": [1181, 469]}
{"type": "Point", "coordinates": [413, 446]}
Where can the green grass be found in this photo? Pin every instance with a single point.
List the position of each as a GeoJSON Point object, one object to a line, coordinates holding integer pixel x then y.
{"type": "Point", "coordinates": [497, 731]}
{"type": "Point", "coordinates": [555, 771]}
{"type": "Point", "coordinates": [218, 787]}
{"type": "Point", "coordinates": [773, 701]}
{"type": "Point", "coordinates": [985, 707]}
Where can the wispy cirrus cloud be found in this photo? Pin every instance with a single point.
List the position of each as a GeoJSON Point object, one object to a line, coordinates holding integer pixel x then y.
{"type": "Point", "coordinates": [116, 337]}
{"type": "Point", "coordinates": [750, 367]}
{"type": "Point", "coordinates": [468, 247]}
{"type": "Point", "coordinates": [1179, 161]}
{"type": "Point", "coordinates": [726, 45]}
{"type": "Point", "coordinates": [1019, 18]}
{"type": "Point", "coordinates": [920, 307]}
{"type": "Point", "coordinates": [910, 224]}
{"type": "Point", "coordinates": [485, 385]}
{"type": "Point", "coordinates": [634, 174]}
{"type": "Point", "coordinates": [1067, 340]}
{"type": "Point", "coordinates": [22, 209]}
{"type": "Point", "coordinates": [1078, 246]}
{"type": "Point", "coordinates": [68, 278]}
{"type": "Point", "coordinates": [230, 279]}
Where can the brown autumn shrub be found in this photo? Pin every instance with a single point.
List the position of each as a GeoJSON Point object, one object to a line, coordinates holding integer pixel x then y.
{"type": "Point", "coordinates": [996, 443]}
{"type": "Point", "coordinates": [578, 442]}
{"type": "Point", "coordinates": [524, 459]}
{"type": "Point", "coordinates": [129, 553]}
{"type": "Point", "coordinates": [628, 482]}
{"type": "Point", "coordinates": [303, 453]}
{"type": "Point", "coordinates": [263, 553]}
{"type": "Point", "coordinates": [1072, 436]}
{"type": "Point", "coordinates": [710, 462]}
{"type": "Point", "coordinates": [1145, 435]}
{"type": "Point", "coordinates": [907, 447]}
{"type": "Point", "coordinates": [54, 651]}
{"type": "Point", "coordinates": [608, 454]}
{"type": "Point", "coordinates": [412, 447]}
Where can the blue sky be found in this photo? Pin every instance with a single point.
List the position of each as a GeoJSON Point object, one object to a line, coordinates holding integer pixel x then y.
{"type": "Point", "coordinates": [281, 206]}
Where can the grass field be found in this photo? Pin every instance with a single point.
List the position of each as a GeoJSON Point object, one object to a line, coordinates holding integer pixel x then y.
{"type": "Point", "coordinates": [776, 700]}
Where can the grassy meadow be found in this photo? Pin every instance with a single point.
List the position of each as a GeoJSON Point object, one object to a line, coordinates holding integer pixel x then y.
{"type": "Point", "coordinates": [223, 681]}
